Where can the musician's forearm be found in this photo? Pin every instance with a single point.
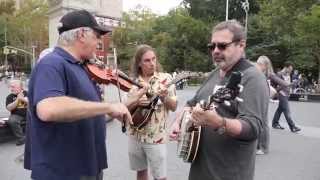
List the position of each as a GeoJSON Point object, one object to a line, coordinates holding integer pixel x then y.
{"type": "Point", "coordinates": [131, 104]}
{"type": "Point", "coordinates": [12, 105]}
{"type": "Point", "coordinates": [25, 99]}
{"type": "Point", "coordinates": [67, 109]}
{"type": "Point", "coordinates": [170, 103]}
{"type": "Point", "coordinates": [238, 128]}
{"type": "Point", "coordinates": [233, 127]}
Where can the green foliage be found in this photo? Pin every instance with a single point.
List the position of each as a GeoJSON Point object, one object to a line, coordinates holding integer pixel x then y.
{"type": "Point", "coordinates": [307, 41]}
{"type": "Point", "coordinates": [277, 23]}
{"type": "Point", "coordinates": [26, 27]}
{"type": "Point", "coordinates": [7, 7]}
{"type": "Point", "coordinates": [29, 25]}
{"type": "Point", "coordinates": [281, 29]}
{"type": "Point", "coordinates": [180, 40]}
{"type": "Point", "coordinates": [215, 10]}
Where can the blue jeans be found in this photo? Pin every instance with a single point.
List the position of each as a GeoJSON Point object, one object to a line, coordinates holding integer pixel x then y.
{"type": "Point", "coordinates": [283, 107]}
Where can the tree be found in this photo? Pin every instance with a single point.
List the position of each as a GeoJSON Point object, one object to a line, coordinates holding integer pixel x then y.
{"type": "Point", "coordinates": [7, 7]}
{"type": "Point", "coordinates": [186, 48]}
{"type": "Point", "coordinates": [179, 39]}
{"type": "Point", "coordinates": [215, 10]}
{"type": "Point", "coordinates": [308, 39]}
{"type": "Point", "coordinates": [138, 29]}
{"type": "Point", "coordinates": [26, 27]}
{"type": "Point", "coordinates": [277, 19]}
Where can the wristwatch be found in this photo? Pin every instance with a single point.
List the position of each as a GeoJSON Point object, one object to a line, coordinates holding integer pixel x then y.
{"type": "Point", "coordinates": [222, 129]}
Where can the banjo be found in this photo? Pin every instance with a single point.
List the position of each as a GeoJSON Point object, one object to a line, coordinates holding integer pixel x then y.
{"type": "Point", "coordinates": [189, 137]}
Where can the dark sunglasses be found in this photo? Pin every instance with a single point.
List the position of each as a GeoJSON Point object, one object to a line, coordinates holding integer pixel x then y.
{"type": "Point", "coordinates": [98, 35]}
{"type": "Point", "coordinates": [220, 46]}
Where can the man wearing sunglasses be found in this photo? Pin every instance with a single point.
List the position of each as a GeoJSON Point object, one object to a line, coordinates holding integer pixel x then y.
{"type": "Point", "coordinates": [229, 133]}
{"type": "Point", "coordinates": [67, 129]}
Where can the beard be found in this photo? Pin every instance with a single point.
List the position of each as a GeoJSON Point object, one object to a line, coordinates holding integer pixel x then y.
{"type": "Point", "coordinates": [219, 61]}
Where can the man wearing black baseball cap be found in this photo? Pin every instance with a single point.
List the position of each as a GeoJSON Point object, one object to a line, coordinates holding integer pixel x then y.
{"type": "Point", "coordinates": [81, 18]}
{"type": "Point", "coordinates": [67, 126]}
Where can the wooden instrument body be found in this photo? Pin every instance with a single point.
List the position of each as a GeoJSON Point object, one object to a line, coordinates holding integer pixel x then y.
{"type": "Point", "coordinates": [141, 115]}
{"type": "Point", "coordinates": [189, 137]}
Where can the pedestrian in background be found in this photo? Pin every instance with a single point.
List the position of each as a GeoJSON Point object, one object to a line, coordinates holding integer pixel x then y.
{"type": "Point", "coordinates": [16, 103]}
{"type": "Point", "coordinates": [283, 96]}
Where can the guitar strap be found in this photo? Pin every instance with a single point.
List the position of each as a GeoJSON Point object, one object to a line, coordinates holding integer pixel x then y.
{"type": "Point", "coordinates": [241, 66]}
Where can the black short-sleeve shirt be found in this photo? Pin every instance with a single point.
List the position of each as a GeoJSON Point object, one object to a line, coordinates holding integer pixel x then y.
{"type": "Point", "coordinates": [21, 108]}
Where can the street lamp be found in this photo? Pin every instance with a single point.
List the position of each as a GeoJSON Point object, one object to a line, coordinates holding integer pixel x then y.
{"type": "Point", "coordinates": [227, 10]}
{"type": "Point", "coordinates": [33, 56]}
{"type": "Point", "coordinates": [14, 50]}
{"type": "Point", "coordinates": [5, 44]}
{"type": "Point", "coordinates": [245, 7]}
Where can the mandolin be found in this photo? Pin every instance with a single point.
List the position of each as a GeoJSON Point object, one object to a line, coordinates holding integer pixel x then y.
{"type": "Point", "coordinates": [141, 115]}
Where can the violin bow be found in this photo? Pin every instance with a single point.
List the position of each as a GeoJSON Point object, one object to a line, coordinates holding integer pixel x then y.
{"type": "Point", "coordinates": [123, 128]}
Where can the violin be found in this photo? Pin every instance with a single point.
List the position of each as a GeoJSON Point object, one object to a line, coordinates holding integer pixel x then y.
{"type": "Point", "coordinates": [105, 75]}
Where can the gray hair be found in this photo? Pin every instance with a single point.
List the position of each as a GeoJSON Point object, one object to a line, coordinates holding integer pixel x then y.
{"type": "Point", "coordinates": [67, 38]}
{"type": "Point", "coordinates": [44, 53]}
{"type": "Point", "coordinates": [234, 27]}
{"type": "Point", "coordinates": [267, 62]}
{"type": "Point", "coordinates": [16, 82]}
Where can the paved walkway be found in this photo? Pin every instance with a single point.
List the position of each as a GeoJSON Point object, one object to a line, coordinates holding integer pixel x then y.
{"type": "Point", "coordinates": [292, 156]}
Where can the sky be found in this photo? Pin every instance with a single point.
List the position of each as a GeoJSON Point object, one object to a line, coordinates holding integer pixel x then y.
{"type": "Point", "coordinates": [160, 7]}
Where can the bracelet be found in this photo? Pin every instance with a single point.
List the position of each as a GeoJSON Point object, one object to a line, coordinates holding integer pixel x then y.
{"type": "Point", "coordinates": [222, 129]}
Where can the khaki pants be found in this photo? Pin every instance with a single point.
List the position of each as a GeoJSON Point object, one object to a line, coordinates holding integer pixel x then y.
{"type": "Point", "coordinates": [143, 155]}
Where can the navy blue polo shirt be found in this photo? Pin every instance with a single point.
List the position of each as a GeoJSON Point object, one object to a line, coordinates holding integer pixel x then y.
{"type": "Point", "coordinates": [63, 151]}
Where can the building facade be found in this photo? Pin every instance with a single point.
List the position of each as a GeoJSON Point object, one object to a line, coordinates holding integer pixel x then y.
{"type": "Point", "coordinates": [107, 12]}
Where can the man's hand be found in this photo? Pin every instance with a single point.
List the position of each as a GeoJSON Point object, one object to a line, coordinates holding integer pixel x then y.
{"type": "Point", "coordinates": [20, 96]}
{"type": "Point", "coordinates": [135, 95]}
{"type": "Point", "coordinates": [175, 128]}
{"type": "Point", "coordinates": [174, 131]}
{"type": "Point", "coordinates": [201, 117]}
{"type": "Point", "coordinates": [120, 112]}
{"type": "Point", "coordinates": [163, 92]}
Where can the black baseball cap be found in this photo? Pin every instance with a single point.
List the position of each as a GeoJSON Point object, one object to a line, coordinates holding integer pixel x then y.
{"type": "Point", "coordinates": [80, 18]}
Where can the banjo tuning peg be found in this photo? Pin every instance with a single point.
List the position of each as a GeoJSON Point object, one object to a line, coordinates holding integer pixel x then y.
{"type": "Point", "coordinates": [239, 99]}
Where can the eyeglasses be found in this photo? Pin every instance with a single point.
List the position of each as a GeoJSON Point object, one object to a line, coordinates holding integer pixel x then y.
{"type": "Point", "coordinates": [96, 34]}
{"type": "Point", "coordinates": [220, 46]}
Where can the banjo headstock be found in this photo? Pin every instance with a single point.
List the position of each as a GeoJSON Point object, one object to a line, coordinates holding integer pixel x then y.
{"type": "Point", "coordinates": [227, 93]}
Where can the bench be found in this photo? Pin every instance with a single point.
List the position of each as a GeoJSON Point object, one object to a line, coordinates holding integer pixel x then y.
{"type": "Point", "coordinates": [5, 132]}
{"type": "Point", "coordinates": [304, 97]}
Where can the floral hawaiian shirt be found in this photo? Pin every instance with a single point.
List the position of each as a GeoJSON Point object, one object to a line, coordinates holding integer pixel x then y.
{"type": "Point", "coordinates": [155, 131]}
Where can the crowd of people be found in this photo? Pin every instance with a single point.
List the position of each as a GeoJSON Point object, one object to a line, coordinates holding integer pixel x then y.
{"type": "Point", "coordinates": [66, 123]}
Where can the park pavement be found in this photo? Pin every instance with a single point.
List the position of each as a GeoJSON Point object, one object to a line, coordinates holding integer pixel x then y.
{"type": "Point", "coordinates": [293, 156]}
